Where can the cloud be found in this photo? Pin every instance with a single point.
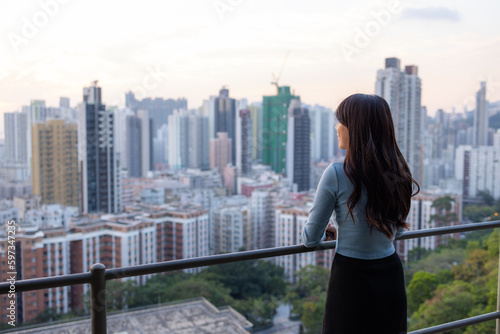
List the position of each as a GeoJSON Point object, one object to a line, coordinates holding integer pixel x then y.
{"type": "Point", "coordinates": [432, 13]}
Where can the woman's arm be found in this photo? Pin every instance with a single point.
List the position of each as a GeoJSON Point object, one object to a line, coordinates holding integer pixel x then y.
{"type": "Point", "coordinates": [399, 232]}
{"type": "Point", "coordinates": [321, 211]}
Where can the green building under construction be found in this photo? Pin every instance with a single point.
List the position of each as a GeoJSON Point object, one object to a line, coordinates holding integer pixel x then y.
{"type": "Point", "coordinates": [274, 128]}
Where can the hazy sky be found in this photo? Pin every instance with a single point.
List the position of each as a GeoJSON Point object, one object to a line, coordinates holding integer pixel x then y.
{"type": "Point", "coordinates": [195, 47]}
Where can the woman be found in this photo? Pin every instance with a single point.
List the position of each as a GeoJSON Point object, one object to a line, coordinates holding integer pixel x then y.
{"type": "Point", "coordinates": [370, 193]}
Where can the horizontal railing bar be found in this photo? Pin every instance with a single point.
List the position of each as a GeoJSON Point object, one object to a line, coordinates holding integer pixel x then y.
{"type": "Point", "coordinates": [83, 278]}
{"type": "Point", "coordinates": [155, 268]}
{"type": "Point", "coordinates": [449, 230]}
{"type": "Point", "coordinates": [458, 324]}
{"type": "Point", "coordinates": [46, 282]}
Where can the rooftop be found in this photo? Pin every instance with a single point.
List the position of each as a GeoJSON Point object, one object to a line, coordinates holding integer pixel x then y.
{"type": "Point", "coordinates": [187, 317]}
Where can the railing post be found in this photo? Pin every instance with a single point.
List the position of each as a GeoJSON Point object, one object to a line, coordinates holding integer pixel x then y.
{"type": "Point", "coordinates": [498, 292]}
{"type": "Point", "coordinates": [98, 299]}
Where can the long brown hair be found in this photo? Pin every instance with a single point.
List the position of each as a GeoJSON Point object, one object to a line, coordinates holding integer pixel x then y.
{"type": "Point", "coordinates": [374, 163]}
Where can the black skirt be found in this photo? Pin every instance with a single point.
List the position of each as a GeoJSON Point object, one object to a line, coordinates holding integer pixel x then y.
{"type": "Point", "coordinates": [365, 296]}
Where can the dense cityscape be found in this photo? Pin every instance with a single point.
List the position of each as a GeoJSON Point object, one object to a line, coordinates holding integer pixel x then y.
{"type": "Point", "coordinates": [158, 180]}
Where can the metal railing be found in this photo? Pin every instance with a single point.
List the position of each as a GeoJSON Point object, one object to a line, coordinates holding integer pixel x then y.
{"type": "Point", "coordinates": [98, 275]}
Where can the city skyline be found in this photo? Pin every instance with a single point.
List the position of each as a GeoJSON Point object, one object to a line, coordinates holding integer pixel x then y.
{"type": "Point", "coordinates": [186, 50]}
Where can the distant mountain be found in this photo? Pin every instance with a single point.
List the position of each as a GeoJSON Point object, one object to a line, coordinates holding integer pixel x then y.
{"type": "Point", "coordinates": [495, 121]}
{"type": "Point", "coordinates": [495, 115]}
{"type": "Point", "coordinates": [495, 105]}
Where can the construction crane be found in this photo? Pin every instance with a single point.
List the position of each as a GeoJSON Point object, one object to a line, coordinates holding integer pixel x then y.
{"type": "Point", "coordinates": [277, 79]}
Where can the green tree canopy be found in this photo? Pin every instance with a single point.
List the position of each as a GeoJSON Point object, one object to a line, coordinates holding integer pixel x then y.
{"type": "Point", "coordinates": [248, 279]}
{"type": "Point", "coordinates": [259, 311]}
{"type": "Point", "coordinates": [473, 291]}
{"type": "Point", "coordinates": [421, 288]}
{"type": "Point", "coordinates": [195, 287]}
{"type": "Point", "coordinates": [308, 295]}
{"type": "Point", "coordinates": [450, 303]}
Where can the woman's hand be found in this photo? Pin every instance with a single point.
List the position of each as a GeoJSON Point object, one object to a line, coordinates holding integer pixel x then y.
{"type": "Point", "coordinates": [331, 232]}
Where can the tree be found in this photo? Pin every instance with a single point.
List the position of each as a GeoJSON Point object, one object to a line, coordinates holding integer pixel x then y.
{"type": "Point", "coordinates": [450, 303]}
{"type": "Point", "coordinates": [119, 295]}
{"type": "Point", "coordinates": [486, 198]}
{"type": "Point", "coordinates": [195, 287]}
{"type": "Point", "coordinates": [417, 253]}
{"type": "Point", "coordinates": [156, 287]}
{"type": "Point", "coordinates": [443, 216]}
{"type": "Point", "coordinates": [473, 292]}
{"type": "Point", "coordinates": [259, 311]}
{"type": "Point", "coordinates": [478, 213]}
{"type": "Point", "coordinates": [473, 266]}
{"type": "Point", "coordinates": [440, 259]}
{"type": "Point", "coordinates": [443, 203]}
{"type": "Point", "coordinates": [308, 296]}
{"type": "Point", "coordinates": [312, 280]}
{"type": "Point", "coordinates": [313, 310]}
{"type": "Point", "coordinates": [48, 315]}
{"type": "Point", "coordinates": [248, 279]}
{"type": "Point", "coordinates": [421, 288]}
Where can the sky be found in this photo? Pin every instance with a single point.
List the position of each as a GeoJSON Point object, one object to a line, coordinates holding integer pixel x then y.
{"type": "Point", "coordinates": [170, 49]}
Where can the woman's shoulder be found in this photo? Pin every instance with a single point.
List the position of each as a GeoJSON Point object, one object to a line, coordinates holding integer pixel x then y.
{"type": "Point", "coordinates": [337, 167]}
{"type": "Point", "coordinates": [336, 170]}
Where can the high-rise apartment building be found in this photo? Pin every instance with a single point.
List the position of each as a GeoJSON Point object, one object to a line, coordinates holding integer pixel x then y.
{"type": "Point", "coordinates": [244, 142]}
{"type": "Point", "coordinates": [177, 140]}
{"type": "Point", "coordinates": [198, 143]}
{"type": "Point", "coordinates": [220, 158]}
{"type": "Point", "coordinates": [181, 233]}
{"type": "Point", "coordinates": [298, 153]}
{"type": "Point", "coordinates": [426, 212]}
{"type": "Point", "coordinates": [229, 228]}
{"type": "Point", "coordinates": [14, 165]}
{"type": "Point", "coordinates": [481, 118]}
{"type": "Point", "coordinates": [36, 112]}
{"type": "Point", "coordinates": [158, 108]}
{"type": "Point", "coordinates": [262, 207]}
{"type": "Point", "coordinates": [99, 166]}
{"type": "Point", "coordinates": [290, 220]}
{"type": "Point", "coordinates": [402, 91]}
{"type": "Point", "coordinates": [188, 145]}
{"type": "Point", "coordinates": [116, 242]}
{"type": "Point", "coordinates": [220, 151]}
{"type": "Point", "coordinates": [29, 260]}
{"type": "Point", "coordinates": [120, 123]}
{"type": "Point", "coordinates": [64, 102]}
{"type": "Point", "coordinates": [256, 115]}
{"type": "Point", "coordinates": [133, 146]}
{"type": "Point", "coordinates": [55, 162]}
{"type": "Point", "coordinates": [138, 144]}
{"type": "Point", "coordinates": [323, 138]}
{"type": "Point", "coordinates": [479, 169]}
{"type": "Point", "coordinates": [224, 118]}
{"type": "Point", "coordinates": [15, 130]}
{"type": "Point", "coordinates": [274, 128]}
{"type": "Point", "coordinates": [160, 147]}
{"type": "Point", "coordinates": [146, 141]}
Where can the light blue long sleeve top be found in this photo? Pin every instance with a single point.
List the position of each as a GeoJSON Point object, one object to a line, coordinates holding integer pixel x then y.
{"type": "Point", "coordinates": [353, 238]}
